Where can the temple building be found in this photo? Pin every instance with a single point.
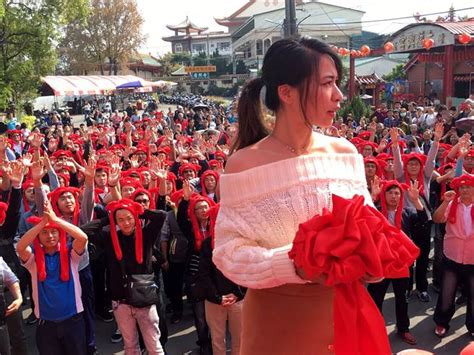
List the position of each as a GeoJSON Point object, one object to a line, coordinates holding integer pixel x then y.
{"type": "Point", "coordinates": [191, 38]}
{"type": "Point", "coordinates": [445, 68]}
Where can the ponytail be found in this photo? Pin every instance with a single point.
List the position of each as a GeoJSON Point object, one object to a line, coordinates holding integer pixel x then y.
{"type": "Point", "coordinates": [251, 125]}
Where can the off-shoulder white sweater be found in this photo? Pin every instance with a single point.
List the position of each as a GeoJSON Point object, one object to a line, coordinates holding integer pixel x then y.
{"type": "Point", "coordinates": [262, 207]}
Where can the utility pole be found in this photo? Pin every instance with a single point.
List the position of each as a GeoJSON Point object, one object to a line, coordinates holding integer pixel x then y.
{"type": "Point", "coordinates": [289, 24]}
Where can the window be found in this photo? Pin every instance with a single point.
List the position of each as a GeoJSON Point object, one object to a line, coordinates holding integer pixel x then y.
{"type": "Point", "coordinates": [199, 47]}
{"type": "Point", "coordinates": [178, 47]}
{"type": "Point", "coordinates": [266, 44]}
{"type": "Point", "coordinates": [223, 46]}
{"type": "Point", "coordinates": [259, 45]}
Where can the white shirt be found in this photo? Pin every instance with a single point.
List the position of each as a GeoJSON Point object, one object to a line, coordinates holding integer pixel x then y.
{"type": "Point", "coordinates": [466, 216]}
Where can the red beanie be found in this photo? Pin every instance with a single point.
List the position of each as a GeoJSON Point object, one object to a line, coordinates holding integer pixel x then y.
{"type": "Point", "coordinates": [142, 191]}
{"type": "Point", "coordinates": [136, 210]}
{"type": "Point", "coordinates": [26, 185]}
{"type": "Point", "coordinates": [39, 252]}
{"type": "Point", "coordinates": [463, 180]}
{"type": "Point", "coordinates": [188, 166]}
{"type": "Point", "coordinates": [198, 236]}
{"type": "Point", "coordinates": [54, 197]}
{"type": "Point", "coordinates": [66, 178]}
{"type": "Point", "coordinates": [422, 159]}
{"type": "Point", "coordinates": [383, 202]}
{"type": "Point", "coordinates": [203, 178]}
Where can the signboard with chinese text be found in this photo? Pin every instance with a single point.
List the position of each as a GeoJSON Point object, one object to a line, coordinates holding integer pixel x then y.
{"type": "Point", "coordinates": [412, 38]}
{"type": "Point", "coordinates": [200, 69]}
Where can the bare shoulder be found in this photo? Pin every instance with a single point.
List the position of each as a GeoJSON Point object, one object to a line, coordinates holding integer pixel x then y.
{"type": "Point", "coordinates": [340, 145]}
{"type": "Point", "coordinates": [248, 157]}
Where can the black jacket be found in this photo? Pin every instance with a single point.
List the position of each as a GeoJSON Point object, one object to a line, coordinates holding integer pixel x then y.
{"type": "Point", "coordinates": [99, 234]}
{"type": "Point", "coordinates": [8, 231]}
{"type": "Point", "coordinates": [212, 281]}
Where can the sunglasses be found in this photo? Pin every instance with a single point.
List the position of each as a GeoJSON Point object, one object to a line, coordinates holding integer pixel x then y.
{"type": "Point", "coordinates": [142, 201]}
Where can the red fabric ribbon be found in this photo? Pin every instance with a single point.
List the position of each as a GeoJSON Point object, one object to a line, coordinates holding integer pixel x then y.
{"type": "Point", "coordinates": [344, 246]}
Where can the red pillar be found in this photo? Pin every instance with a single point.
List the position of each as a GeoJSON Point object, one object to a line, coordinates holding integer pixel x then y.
{"type": "Point", "coordinates": [351, 76]}
{"type": "Point", "coordinates": [448, 77]}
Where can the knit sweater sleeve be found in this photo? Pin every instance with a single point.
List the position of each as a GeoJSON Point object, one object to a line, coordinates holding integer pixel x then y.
{"type": "Point", "coordinates": [246, 263]}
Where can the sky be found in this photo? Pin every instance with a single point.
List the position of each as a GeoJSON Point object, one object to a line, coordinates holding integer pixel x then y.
{"type": "Point", "coordinates": [159, 13]}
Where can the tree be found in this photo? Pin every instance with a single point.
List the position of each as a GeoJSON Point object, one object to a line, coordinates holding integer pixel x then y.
{"type": "Point", "coordinates": [111, 34]}
{"type": "Point", "coordinates": [397, 73]}
{"type": "Point", "coordinates": [28, 31]}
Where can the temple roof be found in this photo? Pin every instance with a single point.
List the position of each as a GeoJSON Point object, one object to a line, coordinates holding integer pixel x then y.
{"type": "Point", "coordinates": [186, 26]}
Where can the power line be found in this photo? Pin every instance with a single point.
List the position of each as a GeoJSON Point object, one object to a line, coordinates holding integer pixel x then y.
{"type": "Point", "coordinates": [393, 18]}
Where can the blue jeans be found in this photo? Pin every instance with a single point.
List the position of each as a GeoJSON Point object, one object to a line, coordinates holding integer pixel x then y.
{"type": "Point", "coordinates": [59, 338]}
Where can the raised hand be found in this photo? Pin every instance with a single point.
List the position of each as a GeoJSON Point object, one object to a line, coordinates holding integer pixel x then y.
{"type": "Point", "coordinates": [36, 140]}
{"type": "Point", "coordinates": [89, 172]}
{"type": "Point", "coordinates": [188, 190]}
{"type": "Point", "coordinates": [394, 137]}
{"type": "Point", "coordinates": [439, 130]}
{"type": "Point", "coordinates": [134, 161]}
{"type": "Point", "coordinates": [413, 191]}
{"type": "Point", "coordinates": [449, 196]}
{"type": "Point", "coordinates": [37, 170]}
{"type": "Point", "coordinates": [27, 159]}
{"type": "Point", "coordinates": [48, 212]}
{"type": "Point", "coordinates": [375, 188]}
{"type": "Point", "coordinates": [114, 175]}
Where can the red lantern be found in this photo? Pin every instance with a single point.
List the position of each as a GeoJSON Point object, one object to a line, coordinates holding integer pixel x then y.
{"type": "Point", "coordinates": [428, 43]}
{"type": "Point", "coordinates": [365, 50]}
{"type": "Point", "coordinates": [353, 53]}
{"type": "Point", "coordinates": [464, 38]}
{"type": "Point", "coordinates": [388, 47]}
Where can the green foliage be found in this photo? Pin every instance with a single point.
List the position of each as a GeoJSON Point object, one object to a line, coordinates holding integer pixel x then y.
{"type": "Point", "coordinates": [29, 30]}
{"type": "Point", "coordinates": [397, 73]}
{"type": "Point", "coordinates": [357, 107]}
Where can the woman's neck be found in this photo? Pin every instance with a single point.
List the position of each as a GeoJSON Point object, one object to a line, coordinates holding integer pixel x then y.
{"type": "Point", "coordinates": [292, 132]}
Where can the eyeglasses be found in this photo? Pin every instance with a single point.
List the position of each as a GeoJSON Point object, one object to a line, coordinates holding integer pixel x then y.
{"type": "Point", "coordinates": [142, 201]}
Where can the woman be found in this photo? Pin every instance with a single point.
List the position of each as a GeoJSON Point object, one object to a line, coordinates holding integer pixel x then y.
{"type": "Point", "coordinates": [272, 183]}
{"type": "Point", "coordinates": [458, 264]}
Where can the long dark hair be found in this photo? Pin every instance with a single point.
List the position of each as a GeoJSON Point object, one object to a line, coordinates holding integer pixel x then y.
{"type": "Point", "coordinates": [288, 61]}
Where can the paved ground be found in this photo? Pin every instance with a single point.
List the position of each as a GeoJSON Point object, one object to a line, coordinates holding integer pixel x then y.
{"type": "Point", "coordinates": [182, 336]}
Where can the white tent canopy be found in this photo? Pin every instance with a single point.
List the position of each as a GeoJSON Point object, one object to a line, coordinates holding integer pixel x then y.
{"type": "Point", "coordinates": [77, 85]}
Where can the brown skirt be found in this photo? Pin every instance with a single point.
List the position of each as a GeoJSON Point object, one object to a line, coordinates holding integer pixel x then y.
{"type": "Point", "coordinates": [289, 319]}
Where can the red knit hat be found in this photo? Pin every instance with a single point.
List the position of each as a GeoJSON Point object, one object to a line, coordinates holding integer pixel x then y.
{"type": "Point", "coordinates": [198, 235]}
{"type": "Point", "coordinates": [187, 166]}
{"type": "Point", "coordinates": [422, 159]}
{"type": "Point", "coordinates": [26, 185]}
{"type": "Point", "coordinates": [39, 252]}
{"type": "Point", "coordinates": [379, 167]}
{"type": "Point", "coordinates": [463, 180]}
{"type": "Point", "coordinates": [3, 212]}
{"type": "Point", "coordinates": [66, 178]}
{"type": "Point", "coordinates": [383, 202]}
{"type": "Point", "coordinates": [221, 154]}
{"type": "Point", "coordinates": [61, 153]}
{"type": "Point", "coordinates": [360, 147]}
{"type": "Point", "coordinates": [130, 181]}
{"type": "Point", "coordinates": [142, 191]}
{"type": "Point", "coordinates": [203, 178]}
{"type": "Point", "coordinates": [136, 210]}
{"type": "Point", "coordinates": [54, 197]}
{"type": "Point", "coordinates": [365, 135]}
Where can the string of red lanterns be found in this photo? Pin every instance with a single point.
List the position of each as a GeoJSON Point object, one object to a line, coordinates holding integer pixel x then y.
{"type": "Point", "coordinates": [427, 43]}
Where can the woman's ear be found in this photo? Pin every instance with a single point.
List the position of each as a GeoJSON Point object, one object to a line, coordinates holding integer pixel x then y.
{"type": "Point", "coordinates": [287, 93]}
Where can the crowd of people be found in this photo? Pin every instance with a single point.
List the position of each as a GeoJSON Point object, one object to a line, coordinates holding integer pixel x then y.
{"type": "Point", "coordinates": [115, 219]}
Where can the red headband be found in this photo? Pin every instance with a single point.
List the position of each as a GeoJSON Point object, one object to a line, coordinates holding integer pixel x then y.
{"type": "Point", "coordinates": [456, 183]}
{"type": "Point", "coordinates": [136, 210]}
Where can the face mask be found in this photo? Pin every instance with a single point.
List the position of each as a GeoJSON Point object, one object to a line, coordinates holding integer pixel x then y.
{"type": "Point", "coordinates": [403, 114]}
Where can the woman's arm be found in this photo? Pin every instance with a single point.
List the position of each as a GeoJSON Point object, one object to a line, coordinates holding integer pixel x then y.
{"type": "Point", "coordinates": [439, 216]}
{"type": "Point", "coordinates": [23, 247]}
